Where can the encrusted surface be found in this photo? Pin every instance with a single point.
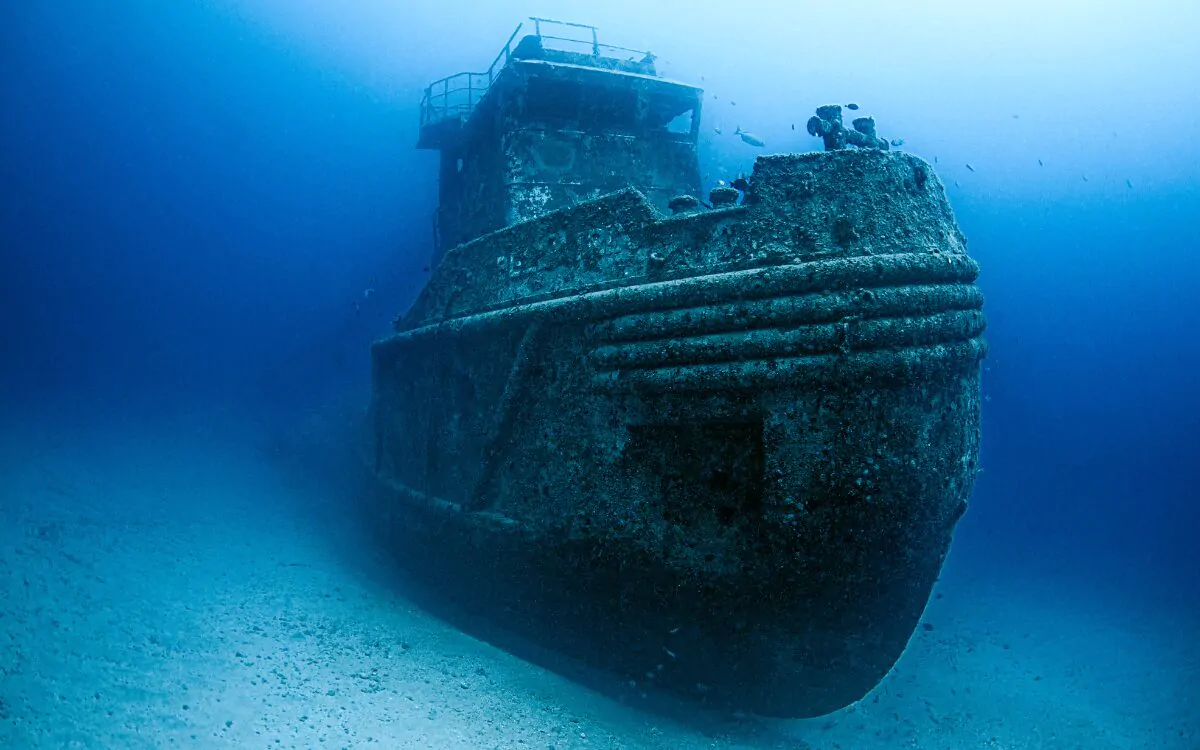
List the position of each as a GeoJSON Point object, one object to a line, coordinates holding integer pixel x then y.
{"type": "Point", "coordinates": [741, 436]}
{"type": "Point", "coordinates": [550, 134]}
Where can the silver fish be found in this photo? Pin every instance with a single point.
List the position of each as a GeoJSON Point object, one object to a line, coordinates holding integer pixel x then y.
{"type": "Point", "coordinates": [750, 138]}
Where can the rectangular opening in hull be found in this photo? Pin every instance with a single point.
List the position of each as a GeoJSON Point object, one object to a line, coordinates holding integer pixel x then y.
{"type": "Point", "coordinates": [706, 479]}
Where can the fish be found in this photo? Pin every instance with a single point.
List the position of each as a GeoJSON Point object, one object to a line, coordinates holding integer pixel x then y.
{"type": "Point", "coordinates": [732, 103]}
{"type": "Point", "coordinates": [717, 130]}
{"type": "Point", "coordinates": [1128, 183]}
{"type": "Point", "coordinates": [851, 105]}
{"type": "Point", "coordinates": [935, 160]}
{"type": "Point", "coordinates": [750, 138]}
{"type": "Point", "coordinates": [1085, 179]}
{"type": "Point", "coordinates": [897, 142]}
{"type": "Point", "coordinates": [741, 183]}
{"type": "Point", "coordinates": [970, 168]}
{"type": "Point", "coordinates": [793, 126]}
{"type": "Point", "coordinates": [1040, 164]}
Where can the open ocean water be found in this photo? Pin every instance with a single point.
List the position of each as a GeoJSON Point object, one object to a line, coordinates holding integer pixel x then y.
{"type": "Point", "coordinates": [211, 208]}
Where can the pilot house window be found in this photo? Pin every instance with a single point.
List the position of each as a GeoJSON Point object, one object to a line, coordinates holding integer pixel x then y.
{"type": "Point", "coordinates": [569, 105]}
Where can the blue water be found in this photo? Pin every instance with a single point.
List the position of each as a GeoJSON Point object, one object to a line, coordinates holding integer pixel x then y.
{"type": "Point", "coordinates": [197, 198]}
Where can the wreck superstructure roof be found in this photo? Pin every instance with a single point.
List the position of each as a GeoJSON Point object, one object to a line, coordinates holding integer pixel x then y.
{"type": "Point", "coordinates": [448, 104]}
{"type": "Point", "coordinates": [446, 131]}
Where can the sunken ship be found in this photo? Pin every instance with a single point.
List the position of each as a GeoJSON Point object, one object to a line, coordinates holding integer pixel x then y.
{"type": "Point", "coordinates": [715, 447]}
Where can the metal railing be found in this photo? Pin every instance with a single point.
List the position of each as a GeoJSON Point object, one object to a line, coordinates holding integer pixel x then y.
{"type": "Point", "coordinates": [593, 42]}
{"type": "Point", "coordinates": [455, 97]}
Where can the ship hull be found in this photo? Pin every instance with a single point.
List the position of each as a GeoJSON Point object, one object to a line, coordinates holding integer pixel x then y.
{"type": "Point", "coordinates": [733, 479]}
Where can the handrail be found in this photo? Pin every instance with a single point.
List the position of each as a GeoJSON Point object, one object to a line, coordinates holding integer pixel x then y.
{"type": "Point", "coordinates": [537, 30]}
{"type": "Point", "coordinates": [437, 105]}
{"type": "Point", "coordinates": [537, 21]}
{"type": "Point", "coordinates": [431, 112]}
{"type": "Point", "coordinates": [596, 46]}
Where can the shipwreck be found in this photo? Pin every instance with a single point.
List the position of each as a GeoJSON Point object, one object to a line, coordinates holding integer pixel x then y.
{"type": "Point", "coordinates": [713, 444]}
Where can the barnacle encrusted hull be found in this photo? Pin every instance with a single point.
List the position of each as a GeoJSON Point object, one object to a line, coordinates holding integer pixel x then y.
{"type": "Point", "coordinates": [722, 453]}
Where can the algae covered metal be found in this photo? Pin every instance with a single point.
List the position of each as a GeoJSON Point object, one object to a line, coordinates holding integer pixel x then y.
{"type": "Point", "coordinates": [721, 451]}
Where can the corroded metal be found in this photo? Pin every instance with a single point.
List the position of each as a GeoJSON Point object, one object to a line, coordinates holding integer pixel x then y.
{"type": "Point", "coordinates": [721, 452]}
{"type": "Point", "coordinates": [545, 128]}
{"type": "Point", "coordinates": [827, 124]}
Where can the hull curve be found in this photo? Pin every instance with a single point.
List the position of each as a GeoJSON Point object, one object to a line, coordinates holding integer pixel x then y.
{"type": "Point", "coordinates": [721, 453]}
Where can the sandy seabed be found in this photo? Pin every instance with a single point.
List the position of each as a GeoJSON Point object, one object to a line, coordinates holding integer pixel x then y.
{"type": "Point", "coordinates": [171, 588]}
